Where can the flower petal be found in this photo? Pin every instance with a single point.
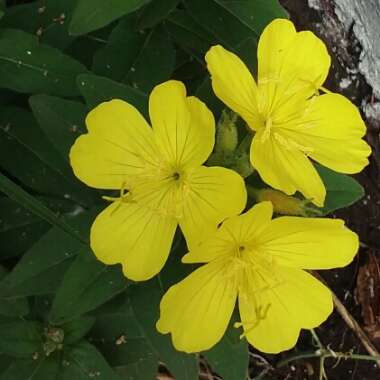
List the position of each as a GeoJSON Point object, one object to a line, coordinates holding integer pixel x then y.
{"type": "Point", "coordinates": [333, 128]}
{"type": "Point", "coordinates": [184, 127]}
{"type": "Point", "coordinates": [242, 228]}
{"type": "Point", "coordinates": [119, 144]}
{"type": "Point", "coordinates": [196, 311]}
{"type": "Point", "coordinates": [309, 243]}
{"type": "Point", "coordinates": [297, 301]}
{"type": "Point", "coordinates": [292, 66]}
{"type": "Point", "coordinates": [135, 236]}
{"type": "Point", "coordinates": [286, 168]}
{"type": "Point", "coordinates": [233, 84]}
{"type": "Point", "coordinates": [212, 194]}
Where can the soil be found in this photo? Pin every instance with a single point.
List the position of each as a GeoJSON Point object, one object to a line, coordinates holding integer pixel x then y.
{"type": "Point", "coordinates": [357, 286]}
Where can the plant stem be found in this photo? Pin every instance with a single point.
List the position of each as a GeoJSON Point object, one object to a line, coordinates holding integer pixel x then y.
{"type": "Point", "coordinates": [326, 353]}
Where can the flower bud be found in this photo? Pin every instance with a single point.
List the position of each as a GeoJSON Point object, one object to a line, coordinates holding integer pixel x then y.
{"type": "Point", "coordinates": [284, 204]}
{"type": "Point", "coordinates": [226, 133]}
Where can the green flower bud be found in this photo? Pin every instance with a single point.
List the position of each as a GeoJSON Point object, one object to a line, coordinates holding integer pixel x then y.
{"type": "Point", "coordinates": [284, 204]}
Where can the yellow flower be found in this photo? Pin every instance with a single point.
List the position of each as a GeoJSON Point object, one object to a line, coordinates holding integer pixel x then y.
{"type": "Point", "coordinates": [158, 171]}
{"type": "Point", "coordinates": [260, 262]}
{"type": "Point", "coordinates": [291, 122]}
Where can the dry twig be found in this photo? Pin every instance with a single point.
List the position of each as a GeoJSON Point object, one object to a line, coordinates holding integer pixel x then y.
{"type": "Point", "coordinates": [352, 323]}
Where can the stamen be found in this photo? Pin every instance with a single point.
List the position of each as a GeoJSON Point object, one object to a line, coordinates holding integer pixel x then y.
{"type": "Point", "coordinates": [125, 195]}
{"type": "Point", "coordinates": [261, 314]}
{"type": "Point", "coordinates": [325, 90]}
{"type": "Point", "coordinates": [267, 130]}
{"type": "Point", "coordinates": [269, 79]}
{"type": "Point", "coordinates": [290, 144]}
{"type": "Point", "coordinates": [110, 199]}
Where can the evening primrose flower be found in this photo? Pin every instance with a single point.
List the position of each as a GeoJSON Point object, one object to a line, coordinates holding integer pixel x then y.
{"type": "Point", "coordinates": [291, 123]}
{"type": "Point", "coordinates": [160, 176]}
{"type": "Point", "coordinates": [260, 262]}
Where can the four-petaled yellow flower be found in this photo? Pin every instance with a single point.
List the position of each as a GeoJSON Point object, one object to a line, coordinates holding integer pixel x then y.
{"type": "Point", "coordinates": [292, 123]}
{"type": "Point", "coordinates": [259, 261]}
{"type": "Point", "coordinates": [159, 171]}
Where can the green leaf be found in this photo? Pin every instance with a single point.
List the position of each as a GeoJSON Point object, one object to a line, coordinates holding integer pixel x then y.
{"type": "Point", "coordinates": [12, 306]}
{"type": "Point", "coordinates": [20, 196]}
{"type": "Point", "coordinates": [20, 338]}
{"type": "Point", "coordinates": [5, 361]}
{"type": "Point", "coordinates": [77, 329]}
{"type": "Point", "coordinates": [61, 120]}
{"type": "Point", "coordinates": [342, 190]}
{"type": "Point", "coordinates": [115, 59]}
{"type": "Point", "coordinates": [41, 269]}
{"type": "Point", "coordinates": [117, 335]}
{"type": "Point", "coordinates": [151, 66]}
{"type": "Point", "coordinates": [21, 140]}
{"type": "Point", "coordinates": [13, 216]}
{"type": "Point", "coordinates": [90, 15]}
{"type": "Point", "coordinates": [28, 66]}
{"type": "Point", "coordinates": [84, 47]}
{"type": "Point", "coordinates": [97, 89]}
{"type": "Point", "coordinates": [255, 14]}
{"type": "Point", "coordinates": [155, 12]}
{"type": "Point", "coordinates": [17, 240]}
{"type": "Point", "coordinates": [44, 368]}
{"type": "Point", "coordinates": [84, 361]}
{"type": "Point", "coordinates": [230, 357]}
{"type": "Point", "coordinates": [20, 229]}
{"type": "Point", "coordinates": [87, 284]}
{"type": "Point", "coordinates": [232, 22]}
{"type": "Point", "coordinates": [131, 352]}
{"type": "Point", "coordinates": [48, 19]}
{"type": "Point", "coordinates": [189, 34]}
{"type": "Point", "coordinates": [115, 319]}
{"type": "Point", "coordinates": [135, 357]}
{"type": "Point", "coordinates": [143, 368]}
{"type": "Point", "coordinates": [2, 8]}
{"type": "Point", "coordinates": [145, 300]}
{"type": "Point", "coordinates": [136, 58]}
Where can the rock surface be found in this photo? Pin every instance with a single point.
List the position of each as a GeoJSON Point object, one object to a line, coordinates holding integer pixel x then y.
{"type": "Point", "coordinates": [362, 16]}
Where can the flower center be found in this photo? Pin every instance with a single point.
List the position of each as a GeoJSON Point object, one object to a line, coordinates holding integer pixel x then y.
{"type": "Point", "coordinates": [176, 176]}
{"type": "Point", "coordinates": [242, 255]}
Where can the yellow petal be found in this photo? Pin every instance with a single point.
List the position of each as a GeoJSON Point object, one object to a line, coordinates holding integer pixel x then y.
{"type": "Point", "coordinates": [247, 226]}
{"type": "Point", "coordinates": [212, 194]}
{"type": "Point", "coordinates": [272, 318]}
{"type": "Point", "coordinates": [184, 127]}
{"type": "Point", "coordinates": [233, 84]}
{"type": "Point", "coordinates": [292, 66]}
{"type": "Point", "coordinates": [197, 310]}
{"type": "Point", "coordinates": [119, 145]}
{"type": "Point", "coordinates": [134, 236]}
{"type": "Point", "coordinates": [309, 243]}
{"type": "Point", "coordinates": [285, 167]}
{"type": "Point", "coordinates": [234, 231]}
{"type": "Point", "coordinates": [332, 127]}
{"type": "Point", "coordinates": [273, 45]}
